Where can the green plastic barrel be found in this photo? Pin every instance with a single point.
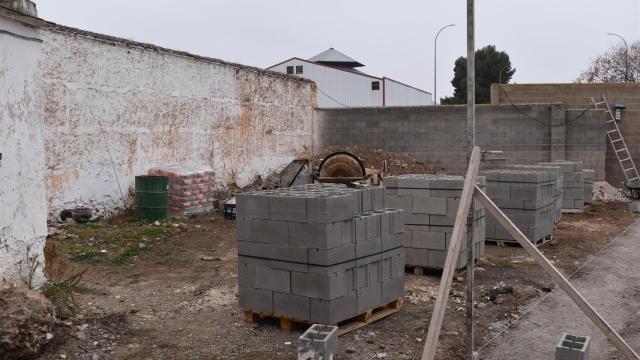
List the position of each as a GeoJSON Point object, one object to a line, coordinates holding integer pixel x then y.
{"type": "Point", "coordinates": [152, 197]}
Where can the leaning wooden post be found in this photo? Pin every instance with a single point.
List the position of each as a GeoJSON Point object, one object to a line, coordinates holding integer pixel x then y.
{"type": "Point", "coordinates": [459, 228]}
{"type": "Point", "coordinates": [557, 276]}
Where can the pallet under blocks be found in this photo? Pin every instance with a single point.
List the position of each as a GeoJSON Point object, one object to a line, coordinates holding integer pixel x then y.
{"type": "Point", "coordinates": [319, 253]}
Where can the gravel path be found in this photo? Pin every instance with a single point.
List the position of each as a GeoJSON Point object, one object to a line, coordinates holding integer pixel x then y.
{"type": "Point", "coordinates": [611, 284]}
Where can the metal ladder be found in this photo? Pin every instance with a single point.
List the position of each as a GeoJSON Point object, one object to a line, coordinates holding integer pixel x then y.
{"type": "Point", "coordinates": [617, 142]}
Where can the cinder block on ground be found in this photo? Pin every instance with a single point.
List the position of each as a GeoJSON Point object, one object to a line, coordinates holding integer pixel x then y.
{"type": "Point", "coordinates": [318, 343]}
{"type": "Point", "coordinates": [572, 347]}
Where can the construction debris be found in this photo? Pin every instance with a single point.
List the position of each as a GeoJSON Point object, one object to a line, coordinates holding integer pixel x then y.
{"type": "Point", "coordinates": [603, 191]}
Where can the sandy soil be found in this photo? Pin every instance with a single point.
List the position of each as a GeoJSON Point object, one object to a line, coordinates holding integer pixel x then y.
{"type": "Point", "coordinates": [171, 294]}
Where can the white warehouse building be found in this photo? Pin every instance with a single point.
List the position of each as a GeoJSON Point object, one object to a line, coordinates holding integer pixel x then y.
{"type": "Point", "coordinates": [340, 84]}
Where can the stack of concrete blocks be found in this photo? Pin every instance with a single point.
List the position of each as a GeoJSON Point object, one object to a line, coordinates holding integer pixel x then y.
{"type": "Point", "coordinates": [572, 347]}
{"type": "Point", "coordinates": [318, 343]}
{"type": "Point", "coordinates": [588, 176]}
{"type": "Point", "coordinates": [430, 203]}
{"type": "Point", "coordinates": [554, 173]}
{"type": "Point", "coordinates": [572, 184]}
{"type": "Point", "coordinates": [526, 197]}
{"type": "Point", "coordinates": [320, 253]}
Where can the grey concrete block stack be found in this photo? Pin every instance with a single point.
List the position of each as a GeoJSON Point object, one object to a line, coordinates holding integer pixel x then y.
{"type": "Point", "coordinates": [588, 176]}
{"type": "Point", "coordinates": [430, 203]}
{"type": "Point", "coordinates": [527, 197]}
{"type": "Point", "coordinates": [321, 253]}
{"type": "Point", "coordinates": [554, 173]}
{"type": "Point", "coordinates": [572, 184]}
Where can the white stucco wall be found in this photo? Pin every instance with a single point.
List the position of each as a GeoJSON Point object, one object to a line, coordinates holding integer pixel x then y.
{"type": "Point", "coordinates": [156, 108]}
{"type": "Point", "coordinates": [23, 209]}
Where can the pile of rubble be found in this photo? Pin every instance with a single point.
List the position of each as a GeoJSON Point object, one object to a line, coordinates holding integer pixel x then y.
{"type": "Point", "coordinates": [603, 191]}
{"type": "Point", "coordinates": [397, 164]}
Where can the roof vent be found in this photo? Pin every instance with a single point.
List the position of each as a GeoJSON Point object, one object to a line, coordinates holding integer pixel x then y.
{"type": "Point", "coordinates": [26, 7]}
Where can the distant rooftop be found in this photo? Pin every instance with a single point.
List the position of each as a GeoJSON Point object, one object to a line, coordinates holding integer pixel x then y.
{"type": "Point", "coordinates": [333, 57]}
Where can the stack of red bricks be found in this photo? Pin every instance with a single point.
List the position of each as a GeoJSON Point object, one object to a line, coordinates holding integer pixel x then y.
{"type": "Point", "coordinates": [190, 187]}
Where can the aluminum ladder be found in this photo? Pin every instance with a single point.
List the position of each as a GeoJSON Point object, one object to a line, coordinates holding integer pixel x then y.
{"type": "Point", "coordinates": [617, 142]}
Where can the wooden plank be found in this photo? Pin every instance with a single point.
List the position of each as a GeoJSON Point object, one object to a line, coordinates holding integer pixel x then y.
{"type": "Point", "coordinates": [453, 252]}
{"type": "Point", "coordinates": [557, 276]}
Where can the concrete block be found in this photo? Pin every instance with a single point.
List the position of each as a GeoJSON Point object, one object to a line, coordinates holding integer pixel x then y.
{"type": "Point", "coordinates": [372, 221]}
{"type": "Point", "coordinates": [252, 205]}
{"type": "Point", "coordinates": [334, 255]}
{"type": "Point", "coordinates": [267, 278]}
{"type": "Point", "coordinates": [399, 202]}
{"type": "Point", "coordinates": [288, 253]}
{"type": "Point", "coordinates": [392, 289]}
{"type": "Point", "coordinates": [319, 342]}
{"type": "Point", "coordinates": [428, 240]}
{"type": "Point", "coordinates": [270, 231]}
{"type": "Point", "coordinates": [333, 311]}
{"type": "Point", "coordinates": [255, 300]}
{"type": "Point", "coordinates": [253, 249]}
{"type": "Point", "coordinates": [327, 286]}
{"type": "Point", "coordinates": [430, 205]}
{"type": "Point", "coordinates": [348, 232]}
{"type": "Point", "coordinates": [369, 297]}
{"type": "Point", "coordinates": [417, 219]}
{"type": "Point", "coordinates": [572, 347]}
{"type": "Point", "coordinates": [243, 228]}
{"type": "Point", "coordinates": [292, 306]}
{"type": "Point", "coordinates": [331, 208]}
{"type": "Point", "coordinates": [289, 208]}
{"type": "Point", "coordinates": [316, 235]}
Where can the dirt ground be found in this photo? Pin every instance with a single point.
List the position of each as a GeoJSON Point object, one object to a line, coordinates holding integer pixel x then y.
{"type": "Point", "coordinates": [169, 292]}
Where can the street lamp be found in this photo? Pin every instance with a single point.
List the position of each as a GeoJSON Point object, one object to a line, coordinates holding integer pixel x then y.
{"type": "Point", "coordinates": [435, 64]}
{"type": "Point", "coordinates": [626, 56]}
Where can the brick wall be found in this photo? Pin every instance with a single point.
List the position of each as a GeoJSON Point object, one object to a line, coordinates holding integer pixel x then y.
{"type": "Point", "coordinates": [578, 97]}
{"type": "Point", "coordinates": [437, 135]}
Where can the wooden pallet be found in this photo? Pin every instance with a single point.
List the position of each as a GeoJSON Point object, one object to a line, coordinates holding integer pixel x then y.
{"type": "Point", "coordinates": [288, 324]}
{"type": "Point", "coordinates": [503, 243]}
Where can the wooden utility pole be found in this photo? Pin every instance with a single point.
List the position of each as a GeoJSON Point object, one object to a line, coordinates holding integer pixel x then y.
{"type": "Point", "coordinates": [450, 262]}
{"type": "Point", "coordinates": [471, 142]}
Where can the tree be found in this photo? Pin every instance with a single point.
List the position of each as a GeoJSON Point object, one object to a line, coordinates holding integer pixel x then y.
{"type": "Point", "coordinates": [489, 64]}
{"type": "Point", "coordinates": [611, 67]}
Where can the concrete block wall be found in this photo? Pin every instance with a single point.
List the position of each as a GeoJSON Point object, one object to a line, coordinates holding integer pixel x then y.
{"type": "Point", "coordinates": [527, 197]}
{"type": "Point", "coordinates": [572, 184]}
{"type": "Point", "coordinates": [321, 253]}
{"type": "Point", "coordinates": [528, 133]}
{"type": "Point", "coordinates": [577, 97]}
{"type": "Point", "coordinates": [430, 203]}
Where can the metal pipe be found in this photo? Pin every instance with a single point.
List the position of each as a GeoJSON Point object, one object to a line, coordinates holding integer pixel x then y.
{"type": "Point", "coordinates": [626, 56]}
{"type": "Point", "coordinates": [435, 64]}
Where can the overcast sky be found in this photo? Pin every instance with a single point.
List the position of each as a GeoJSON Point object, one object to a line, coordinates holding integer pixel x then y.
{"type": "Point", "coordinates": [547, 40]}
